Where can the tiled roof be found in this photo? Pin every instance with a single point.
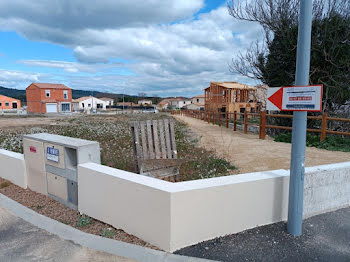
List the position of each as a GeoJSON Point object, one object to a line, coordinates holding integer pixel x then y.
{"type": "Point", "coordinates": [51, 86]}
{"type": "Point", "coordinates": [106, 99]}
{"type": "Point", "coordinates": [80, 99]}
{"type": "Point", "coordinates": [7, 98]}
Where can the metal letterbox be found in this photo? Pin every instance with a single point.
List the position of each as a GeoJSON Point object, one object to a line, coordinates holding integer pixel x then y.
{"type": "Point", "coordinates": [52, 161]}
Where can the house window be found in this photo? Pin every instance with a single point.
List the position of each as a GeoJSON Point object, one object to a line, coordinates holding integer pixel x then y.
{"type": "Point", "coordinates": [47, 93]}
{"type": "Point", "coordinates": [82, 104]}
{"type": "Point", "coordinates": [197, 100]}
{"type": "Point", "coordinates": [65, 107]}
{"type": "Point", "coordinates": [0, 104]}
{"type": "Point", "coordinates": [89, 105]}
{"type": "Point", "coordinates": [7, 104]}
{"type": "Point", "coordinates": [65, 94]}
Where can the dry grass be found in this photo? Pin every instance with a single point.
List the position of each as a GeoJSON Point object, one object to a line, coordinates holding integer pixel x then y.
{"type": "Point", "coordinates": [114, 135]}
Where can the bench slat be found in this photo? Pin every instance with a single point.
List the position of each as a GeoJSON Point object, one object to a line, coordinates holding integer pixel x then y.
{"type": "Point", "coordinates": [172, 138]}
{"type": "Point", "coordinates": [156, 138]}
{"type": "Point", "coordinates": [162, 139]}
{"type": "Point", "coordinates": [167, 139]}
{"type": "Point", "coordinates": [150, 139]}
{"type": "Point", "coordinates": [143, 140]}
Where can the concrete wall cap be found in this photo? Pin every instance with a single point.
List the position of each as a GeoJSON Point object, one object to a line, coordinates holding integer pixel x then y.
{"type": "Point", "coordinates": [327, 167]}
{"type": "Point", "coordinates": [187, 185]}
{"type": "Point", "coordinates": [12, 154]}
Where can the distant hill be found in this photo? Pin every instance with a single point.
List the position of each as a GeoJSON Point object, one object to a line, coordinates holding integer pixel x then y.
{"type": "Point", "coordinates": [14, 93]}
{"type": "Point", "coordinates": [21, 95]}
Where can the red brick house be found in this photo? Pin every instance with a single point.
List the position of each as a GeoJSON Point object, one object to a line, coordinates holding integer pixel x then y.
{"type": "Point", "coordinates": [46, 98]}
{"type": "Point", "coordinates": [8, 103]}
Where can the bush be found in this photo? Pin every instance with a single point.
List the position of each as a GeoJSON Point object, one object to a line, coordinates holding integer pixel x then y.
{"type": "Point", "coordinates": [332, 143]}
{"type": "Point", "coordinates": [108, 232]}
{"type": "Point", "coordinates": [83, 221]}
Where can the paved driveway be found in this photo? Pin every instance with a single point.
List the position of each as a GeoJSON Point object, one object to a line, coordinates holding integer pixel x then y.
{"type": "Point", "coordinates": [326, 238]}
{"type": "Point", "coordinates": [21, 241]}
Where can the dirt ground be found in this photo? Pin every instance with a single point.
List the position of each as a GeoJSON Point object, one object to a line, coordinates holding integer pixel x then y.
{"type": "Point", "coordinates": [251, 154]}
{"type": "Point", "coordinates": [10, 122]}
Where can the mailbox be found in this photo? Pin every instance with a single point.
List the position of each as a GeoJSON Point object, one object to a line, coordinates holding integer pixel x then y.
{"type": "Point", "coordinates": [52, 161]}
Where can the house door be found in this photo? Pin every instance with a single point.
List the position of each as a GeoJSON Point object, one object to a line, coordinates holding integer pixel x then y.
{"type": "Point", "coordinates": [14, 105]}
{"type": "Point", "coordinates": [51, 108]}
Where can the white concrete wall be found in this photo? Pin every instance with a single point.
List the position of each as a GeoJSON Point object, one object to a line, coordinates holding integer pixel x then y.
{"type": "Point", "coordinates": [137, 204]}
{"type": "Point", "coordinates": [12, 168]}
{"type": "Point", "coordinates": [202, 210]}
{"type": "Point", "coordinates": [175, 215]}
{"type": "Point", "coordinates": [327, 187]}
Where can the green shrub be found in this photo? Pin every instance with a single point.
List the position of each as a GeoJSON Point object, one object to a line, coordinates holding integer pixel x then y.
{"type": "Point", "coordinates": [108, 232]}
{"type": "Point", "coordinates": [83, 221]}
{"type": "Point", "coordinates": [332, 143]}
{"type": "Point", "coordinates": [4, 184]}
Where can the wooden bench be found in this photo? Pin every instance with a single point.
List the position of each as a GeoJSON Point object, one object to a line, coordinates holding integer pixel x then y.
{"type": "Point", "coordinates": [155, 148]}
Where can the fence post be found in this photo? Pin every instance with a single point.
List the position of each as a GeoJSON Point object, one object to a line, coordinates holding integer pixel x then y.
{"type": "Point", "coordinates": [235, 121]}
{"type": "Point", "coordinates": [245, 121]}
{"type": "Point", "coordinates": [324, 127]}
{"type": "Point", "coordinates": [226, 116]}
{"type": "Point", "coordinates": [263, 125]}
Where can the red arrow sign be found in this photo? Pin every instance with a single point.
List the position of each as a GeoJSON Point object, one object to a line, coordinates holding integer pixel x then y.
{"type": "Point", "coordinates": [276, 98]}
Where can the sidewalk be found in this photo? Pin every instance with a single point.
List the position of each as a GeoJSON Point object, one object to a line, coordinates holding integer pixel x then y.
{"type": "Point", "coordinates": [28, 236]}
{"type": "Point", "coordinates": [326, 237]}
{"type": "Point", "coordinates": [21, 241]}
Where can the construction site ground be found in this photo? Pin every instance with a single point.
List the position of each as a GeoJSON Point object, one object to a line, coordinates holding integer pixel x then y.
{"type": "Point", "coordinates": [251, 154]}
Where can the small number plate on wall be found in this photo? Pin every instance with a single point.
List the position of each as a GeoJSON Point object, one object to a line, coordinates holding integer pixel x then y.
{"type": "Point", "coordinates": [52, 154]}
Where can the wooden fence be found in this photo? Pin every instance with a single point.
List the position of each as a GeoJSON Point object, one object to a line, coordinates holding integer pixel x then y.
{"type": "Point", "coordinates": [259, 120]}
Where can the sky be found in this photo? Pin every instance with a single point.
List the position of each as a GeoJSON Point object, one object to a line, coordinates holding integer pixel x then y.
{"type": "Point", "coordinates": [158, 47]}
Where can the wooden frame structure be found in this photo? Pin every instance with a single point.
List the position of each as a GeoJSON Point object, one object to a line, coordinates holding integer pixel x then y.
{"type": "Point", "coordinates": [230, 97]}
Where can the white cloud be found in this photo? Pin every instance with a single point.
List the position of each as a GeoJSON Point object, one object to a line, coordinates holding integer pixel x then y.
{"type": "Point", "coordinates": [71, 67]}
{"type": "Point", "coordinates": [82, 14]}
{"type": "Point", "coordinates": [15, 79]}
{"type": "Point", "coordinates": [166, 58]}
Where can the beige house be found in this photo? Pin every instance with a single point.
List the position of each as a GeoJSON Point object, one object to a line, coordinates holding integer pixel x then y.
{"type": "Point", "coordinates": [164, 104]}
{"type": "Point", "coordinates": [194, 106]}
{"type": "Point", "coordinates": [198, 99]}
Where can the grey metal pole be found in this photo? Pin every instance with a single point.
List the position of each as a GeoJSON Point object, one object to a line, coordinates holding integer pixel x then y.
{"type": "Point", "coordinates": [297, 168]}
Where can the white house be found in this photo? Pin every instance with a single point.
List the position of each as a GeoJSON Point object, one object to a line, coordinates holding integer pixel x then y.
{"type": "Point", "coordinates": [86, 103]}
{"type": "Point", "coordinates": [179, 102]}
{"type": "Point", "coordinates": [109, 101]}
{"type": "Point", "coordinates": [144, 102]}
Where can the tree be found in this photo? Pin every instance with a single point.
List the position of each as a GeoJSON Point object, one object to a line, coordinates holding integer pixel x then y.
{"type": "Point", "coordinates": [273, 62]}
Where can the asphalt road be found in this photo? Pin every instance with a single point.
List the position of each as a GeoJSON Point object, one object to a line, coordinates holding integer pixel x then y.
{"type": "Point", "coordinates": [325, 237]}
{"type": "Point", "coordinates": [21, 241]}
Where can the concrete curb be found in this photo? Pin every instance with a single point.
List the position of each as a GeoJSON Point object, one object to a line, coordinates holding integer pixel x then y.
{"type": "Point", "coordinates": [98, 243]}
